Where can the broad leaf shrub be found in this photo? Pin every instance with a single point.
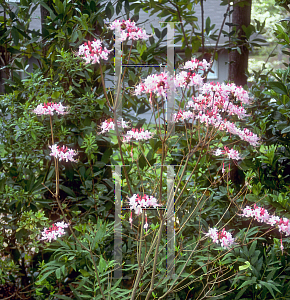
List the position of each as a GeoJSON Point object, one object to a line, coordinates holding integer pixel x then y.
{"type": "Point", "coordinates": [208, 147]}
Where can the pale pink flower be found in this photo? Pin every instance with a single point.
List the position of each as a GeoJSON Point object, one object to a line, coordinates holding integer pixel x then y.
{"type": "Point", "coordinates": [226, 239]}
{"type": "Point", "coordinates": [137, 203]}
{"type": "Point", "coordinates": [154, 83]}
{"type": "Point", "coordinates": [188, 79]}
{"type": "Point", "coordinates": [284, 226]}
{"type": "Point", "coordinates": [138, 135]}
{"type": "Point", "coordinates": [50, 108]}
{"type": "Point", "coordinates": [194, 65]}
{"type": "Point", "coordinates": [108, 125]}
{"type": "Point", "coordinates": [183, 116]}
{"type": "Point", "coordinates": [222, 237]}
{"type": "Point", "coordinates": [53, 232]}
{"type": "Point", "coordinates": [129, 30]}
{"type": "Point", "coordinates": [138, 210]}
{"type": "Point", "coordinates": [247, 212]}
{"type": "Point", "coordinates": [261, 214]}
{"type": "Point", "coordinates": [62, 153]}
{"type": "Point", "coordinates": [93, 51]}
{"type": "Point", "coordinates": [213, 234]}
{"type": "Point", "coordinates": [231, 153]}
{"type": "Point", "coordinates": [273, 220]}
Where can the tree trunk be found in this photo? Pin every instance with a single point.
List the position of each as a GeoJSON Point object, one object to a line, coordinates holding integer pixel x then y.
{"type": "Point", "coordinates": [239, 62]}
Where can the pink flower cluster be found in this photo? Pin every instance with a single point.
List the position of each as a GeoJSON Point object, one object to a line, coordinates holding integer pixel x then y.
{"type": "Point", "coordinates": [53, 232]}
{"type": "Point", "coordinates": [216, 120]}
{"type": "Point", "coordinates": [261, 215]}
{"type": "Point", "coordinates": [226, 91]}
{"type": "Point", "coordinates": [231, 153]}
{"type": "Point", "coordinates": [50, 108]}
{"type": "Point", "coordinates": [108, 125]}
{"type": "Point", "coordinates": [62, 153]}
{"type": "Point", "coordinates": [154, 83]}
{"type": "Point", "coordinates": [129, 30]}
{"type": "Point", "coordinates": [222, 237]}
{"type": "Point", "coordinates": [138, 135]}
{"type": "Point", "coordinates": [91, 52]}
{"type": "Point", "coordinates": [188, 79]}
{"type": "Point", "coordinates": [195, 64]}
{"type": "Point", "coordinates": [138, 202]}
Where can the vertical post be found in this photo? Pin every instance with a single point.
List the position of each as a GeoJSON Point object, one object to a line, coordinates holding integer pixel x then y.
{"type": "Point", "coordinates": [170, 69]}
{"type": "Point", "coordinates": [170, 216]}
{"type": "Point", "coordinates": [117, 78]}
{"type": "Point", "coordinates": [170, 169]}
{"type": "Point", "coordinates": [118, 225]}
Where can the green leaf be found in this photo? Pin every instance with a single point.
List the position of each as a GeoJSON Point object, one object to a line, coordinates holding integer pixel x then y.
{"type": "Point", "coordinates": [109, 10]}
{"type": "Point", "coordinates": [69, 191]}
{"type": "Point", "coordinates": [246, 266]}
{"type": "Point", "coordinates": [248, 282]}
{"type": "Point", "coordinates": [285, 130]}
{"type": "Point", "coordinates": [84, 273]}
{"type": "Point", "coordinates": [270, 286]}
{"type": "Point", "coordinates": [102, 265]}
{"type": "Point", "coordinates": [278, 87]}
{"type": "Point", "coordinates": [15, 35]}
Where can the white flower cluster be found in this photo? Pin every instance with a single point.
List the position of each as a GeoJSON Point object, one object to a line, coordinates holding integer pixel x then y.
{"type": "Point", "coordinates": [195, 65]}
{"type": "Point", "coordinates": [138, 202]}
{"type": "Point", "coordinates": [93, 51]}
{"type": "Point", "coordinates": [53, 232]}
{"type": "Point", "coordinates": [62, 153]}
{"type": "Point", "coordinates": [108, 125]}
{"type": "Point", "coordinates": [50, 108]}
{"type": "Point", "coordinates": [129, 30]}
{"type": "Point", "coordinates": [138, 135]}
{"type": "Point", "coordinates": [154, 83]}
{"type": "Point", "coordinates": [222, 237]}
{"type": "Point", "coordinates": [261, 215]}
{"type": "Point", "coordinates": [216, 120]}
{"type": "Point", "coordinates": [231, 153]}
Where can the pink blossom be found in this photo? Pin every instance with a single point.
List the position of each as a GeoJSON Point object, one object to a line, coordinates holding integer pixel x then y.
{"type": "Point", "coordinates": [231, 153]}
{"type": "Point", "coordinates": [137, 203]}
{"type": "Point", "coordinates": [108, 125]}
{"type": "Point", "coordinates": [213, 234]}
{"type": "Point", "coordinates": [93, 51]}
{"type": "Point", "coordinates": [62, 153]}
{"type": "Point", "coordinates": [154, 83]}
{"type": "Point", "coordinates": [129, 30]}
{"type": "Point", "coordinates": [284, 226]}
{"type": "Point", "coordinates": [214, 104]}
{"type": "Point", "coordinates": [273, 220]}
{"type": "Point", "coordinates": [261, 215]}
{"type": "Point", "coordinates": [247, 212]}
{"type": "Point", "coordinates": [53, 232]}
{"type": "Point", "coordinates": [223, 237]}
{"type": "Point", "coordinates": [226, 90]}
{"type": "Point", "coordinates": [50, 108]}
{"type": "Point", "coordinates": [195, 64]}
{"type": "Point", "coordinates": [188, 79]}
{"type": "Point", "coordinates": [183, 116]}
{"type": "Point", "coordinates": [138, 135]}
